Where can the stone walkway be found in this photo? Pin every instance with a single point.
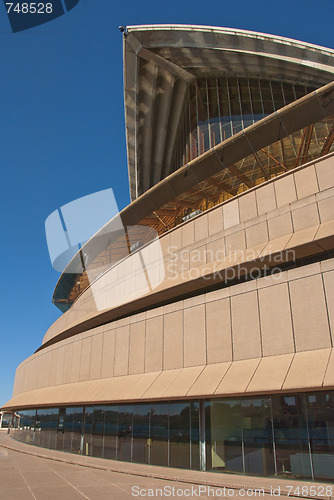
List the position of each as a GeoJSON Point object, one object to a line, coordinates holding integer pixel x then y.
{"type": "Point", "coordinates": [28, 472]}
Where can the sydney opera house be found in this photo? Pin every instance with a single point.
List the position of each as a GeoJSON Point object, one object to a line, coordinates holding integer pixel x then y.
{"type": "Point", "coordinates": [198, 324]}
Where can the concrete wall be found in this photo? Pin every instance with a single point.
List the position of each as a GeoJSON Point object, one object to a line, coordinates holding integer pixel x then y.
{"type": "Point", "coordinates": [267, 334]}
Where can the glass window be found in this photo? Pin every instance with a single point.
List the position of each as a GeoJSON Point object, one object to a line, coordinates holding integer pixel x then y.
{"type": "Point", "coordinates": [141, 434]}
{"type": "Point", "coordinates": [257, 104]}
{"type": "Point", "coordinates": [277, 93]}
{"type": "Point", "coordinates": [46, 427]}
{"type": "Point", "coordinates": [179, 422]}
{"type": "Point", "coordinates": [69, 429]}
{"type": "Point", "coordinates": [257, 436]}
{"type": "Point", "coordinates": [226, 435]}
{"type": "Point", "coordinates": [235, 104]}
{"type": "Point", "coordinates": [94, 431]}
{"type": "Point", "coordinates": [125, 426]}
{"type": "Point", "coordinates": [291, 438]}
{"type": "Point", "coordinates": [110, 433]}
{"type": "Point", "coordinates": [159, 433]}
{"type": "Point", "coordinates": [267, 99]}
{"type": "Point", "coordinates": [247, 114]}
{"type": "Point", "coordinates": [320, 415]}
{"type": "Point", "coordinates": [26, 421]}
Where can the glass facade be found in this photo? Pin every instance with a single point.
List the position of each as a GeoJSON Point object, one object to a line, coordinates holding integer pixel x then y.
{"type": "Point", "coordinates": [282, 435]}
{"type": "Point", "coordinates": [218, 107]}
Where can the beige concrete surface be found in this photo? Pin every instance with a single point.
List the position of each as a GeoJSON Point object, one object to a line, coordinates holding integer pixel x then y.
{"type": "Point", "coordinates": [28, 472]}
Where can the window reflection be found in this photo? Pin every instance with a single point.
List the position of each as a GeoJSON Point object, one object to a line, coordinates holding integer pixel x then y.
{"type": "Point", "coordinates": [217, 107]}
{"type": "Point", "coordinates": [289, 435]}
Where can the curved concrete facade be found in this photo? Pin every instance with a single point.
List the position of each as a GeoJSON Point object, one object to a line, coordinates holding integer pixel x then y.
{"type": "Point", "coordinates": [216, 342]}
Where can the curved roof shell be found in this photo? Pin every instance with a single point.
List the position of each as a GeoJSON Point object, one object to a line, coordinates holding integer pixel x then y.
{"type": "Point", "coordinates": [160, 61]}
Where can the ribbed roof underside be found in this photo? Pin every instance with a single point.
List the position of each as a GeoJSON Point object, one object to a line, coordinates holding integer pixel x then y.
{"type": "Point", "coordinates": [161, 61]}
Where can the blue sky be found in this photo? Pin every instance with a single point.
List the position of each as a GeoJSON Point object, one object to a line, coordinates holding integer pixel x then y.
{"type": "Point", "coordinates": [63, 137]}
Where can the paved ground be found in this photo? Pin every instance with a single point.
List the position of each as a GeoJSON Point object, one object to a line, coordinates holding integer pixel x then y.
{"type": "Point", "coordinates": [28, 472]}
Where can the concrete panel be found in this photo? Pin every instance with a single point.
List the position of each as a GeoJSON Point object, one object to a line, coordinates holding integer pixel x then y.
{"type": "Point", "coordinates": [108, 354]}
{"type": "Point", "coordinates": [60, 365]}
{"type": "Point", "coordinates": [66, 379]}
{"type": "Point", "coordinates": [238, 377]}
{"type": "Point", "coordinates": [141, 386]}
{"type": "Point", "coordinates": [173, 340]}
{"type": "Point", "coordinates": [325, 235]}
{"type": "Point", "coordinates": [208, 380]}
{"type": "Point", "coordinates": [301, 242]}
{"type": "Point", "coordinates": [197, 257]}
{"type": "Point", "coordinates": [175, 238]}
{"type": "Point", "coordinates": [215, 221]}
{"type": "Point", "coordinates": [270, 374]}
{"type": "Point", "coordinates": [326, 209]}
{"type": "Point", "coordinates": [121, 350]}
{"type": "Point", "coordinates": [161, 384]}
{"type": "Point", "coordinates": [154, 344]}
{"type": "Point", "coordinates": [116, 388]}
{"type": "Point", "coordinates": [194, 336]}
{"type": "Point", "coordinates": [307, 370]}
{"type": "Point", "coordinates": [218, 331]}
{"type": "Point", "coordinates": [75, 365]}
{"type": "Point", "coordinates": [309, 314]}
{"type": "Point", "coordinates": [325, 173]}
{"type": "Point", "coordinates": [329, 374]}
{"type": "Point", "coordinates": [306, 182]}
{"type": "Point", "coordinates": [187, 234]}
{"type": "Point", "coordinates": [304, 217]}
{"type": "Point", "coordinates": [183, 382]}
{"type": "Point", "coordinates": [266, 199]}
{"type": "Point", "coordinates": [137, 348]}
{"type": "Point", "coordinates": [245, 326]}
{"type": "Point", "coordinates": [256, 234]}
{"type": "Point", "coordinates": [285, 190]}
{"type": "Point", "coordinates": [86, 349]}
{"type": "Point", "coordinates": [96, 358]}
{"type": "Point", "coordinates": [53, 366]}
{"type": "Point", "coordinates": [328, 278]}
{"type": "Point", "coordinates": [275, 318]}
{"type": "Point", "coordinates": [247, 206]}
{"type": "Point", "coordinates": [235, 242]}
{"type": "Point", "coordinates": [280, 226]}
{"type": "Point", "coordinates": [215, 250]}
{"type": "Point", "coordinates": [201, 227]}
{"type": "Point", "coordinates": [231, 214]}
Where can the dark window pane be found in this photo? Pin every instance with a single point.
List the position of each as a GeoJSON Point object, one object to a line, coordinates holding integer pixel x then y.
{"type": "Point", "coordinates": [159, 433]}
{"type": "Point", "coordinates": [124, 433]}
{"type": "Point", "coordinates": [179, 421]}
{"type": "Point", "coordinates": [110, 433]}
{"type": "Point", "coordinates": [226, 435]}
{"type": "Point", "coordinates": [257, 436]}
{"type": "Point", "coordinates": [266, 97]}
{"type": "Point", "coordinates": [140, 433]}
{"type": "Point", "coordinates": [320, 414]}
{"type": "Point", "coordinates": [290, 432]}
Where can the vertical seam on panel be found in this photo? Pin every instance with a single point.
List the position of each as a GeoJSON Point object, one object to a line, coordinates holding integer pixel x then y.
{"type": "Point", "coordinates": [291, 314]}
{"type": "Point", "coordinates": [101, 335]}
{"type": "Point", "coordinates": [145, 339]}
{"type": "Point", "coordinates": [231, 323]}
{"type": "Point", "coordinates": [288, 370]}
{"type": "Point", "coordinates": [128, 354]}
{"type": "Point", "coordinates": [206, 332]}
{"type": "Point", "coordinates": [316, 178]}
{"type": "Point", "coordinates": [327, 310]}
{"type": "Point", "coordinates": [259, 316]}
{"type": "Point", "coordinates": [114, 353]}
{"type": "Point", "coordinates": [163, 343]}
